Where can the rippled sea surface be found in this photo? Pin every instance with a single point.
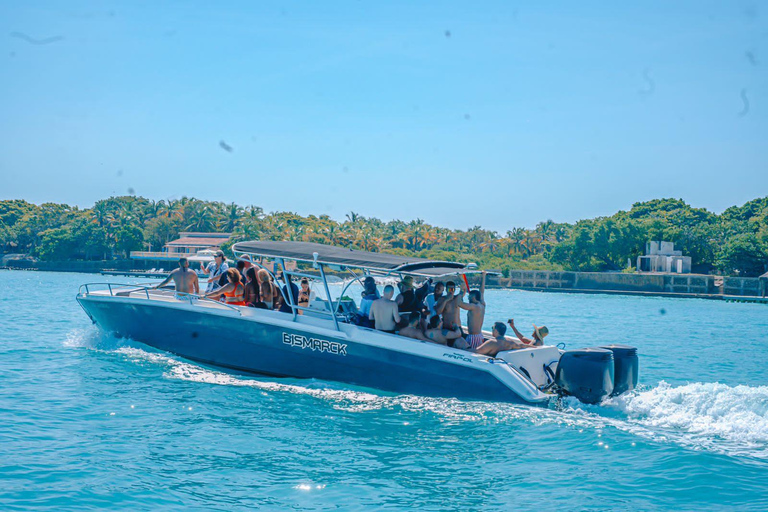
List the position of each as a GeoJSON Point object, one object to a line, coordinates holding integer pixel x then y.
{"type": "Point", "coordinates": [89, 421]}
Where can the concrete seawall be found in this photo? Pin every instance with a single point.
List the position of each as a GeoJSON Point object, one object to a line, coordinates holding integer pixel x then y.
{"type": "Point", "coordinates": [677, 284]}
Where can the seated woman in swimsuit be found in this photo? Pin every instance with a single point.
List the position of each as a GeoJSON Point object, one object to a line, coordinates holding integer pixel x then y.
{"type": "Point", "coordinates": [232, 291]}
{"type": "Point", "coordinates": [252, 296]}
{"type": "Point", "coordinates": [305, 294]}
{"type": "Point", "coordinates": [267, 290]}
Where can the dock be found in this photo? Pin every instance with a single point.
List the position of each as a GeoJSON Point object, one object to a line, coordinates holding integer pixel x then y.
{"type": "Point", "coordinates": [134, 273]}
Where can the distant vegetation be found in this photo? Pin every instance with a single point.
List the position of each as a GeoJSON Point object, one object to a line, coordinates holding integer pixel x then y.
{"type": "Point", "coordinates": [735, 242]}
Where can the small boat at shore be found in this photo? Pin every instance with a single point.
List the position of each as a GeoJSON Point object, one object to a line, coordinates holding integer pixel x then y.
{"type": "Point", "coordinates": [321, 341]}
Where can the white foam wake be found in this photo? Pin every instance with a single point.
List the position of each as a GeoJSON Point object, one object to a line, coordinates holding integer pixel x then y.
{"type": "Point", "coordinates": [705, 412]}
{"type": "Point", "coordinates": [705, 416]}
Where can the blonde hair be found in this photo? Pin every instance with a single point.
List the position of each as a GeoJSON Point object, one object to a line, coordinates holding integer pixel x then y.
{"type": "Point", "coordinates": [263, 275]}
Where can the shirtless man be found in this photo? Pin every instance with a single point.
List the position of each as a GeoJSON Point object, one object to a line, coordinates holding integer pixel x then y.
{"type": "Point", "coordinates": [384, 311]}
{"type": "Point", "coordinates": [475, 314]}
{"type": "Point", "coordinates": [447, 307]}
{"type": "Point", "coordinates": [184, 279]}
{"type": "Point", "coordinates": [437, 334]}
{"type": "Point", "coordinates": [413, 330]}
{"type": "Point", "coordinates": [499, 343]}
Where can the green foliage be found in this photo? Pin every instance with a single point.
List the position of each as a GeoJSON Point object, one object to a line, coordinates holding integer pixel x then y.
{"type": "Point", "coordinates": [743, 255]}
{"type": "Point", "coordinates": [734, 242]}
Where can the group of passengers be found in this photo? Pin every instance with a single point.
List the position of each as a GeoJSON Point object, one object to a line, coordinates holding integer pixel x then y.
{"type": "Point", "coordinates": [243, 285]}
{"type": "Point", "coordinates": [435, 317]}
{"type": "Point", "coordinates": [414, 313]}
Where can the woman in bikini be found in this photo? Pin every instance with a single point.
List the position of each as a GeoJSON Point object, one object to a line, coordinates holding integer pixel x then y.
{"type": "Point", "coordinates": [232, 291]}
{"type": "Point", "coordinates": [267, 290]}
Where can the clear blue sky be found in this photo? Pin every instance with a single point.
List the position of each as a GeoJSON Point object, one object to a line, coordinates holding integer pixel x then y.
{"type": "Point", "coordinates": [498, 114]}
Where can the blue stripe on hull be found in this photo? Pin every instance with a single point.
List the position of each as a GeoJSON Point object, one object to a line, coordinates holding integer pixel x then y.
{"type": "Point", "coordinates": [236, 343]}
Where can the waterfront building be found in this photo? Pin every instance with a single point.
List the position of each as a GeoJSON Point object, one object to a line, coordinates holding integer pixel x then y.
{"type": "Point", "coordinates": [194, 245]}
{"type": "Point", "coordinates": [662, 257]}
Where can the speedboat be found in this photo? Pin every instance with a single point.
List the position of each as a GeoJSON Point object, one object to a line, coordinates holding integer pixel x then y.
{"type": "Point", "coordinates": [322, 341]}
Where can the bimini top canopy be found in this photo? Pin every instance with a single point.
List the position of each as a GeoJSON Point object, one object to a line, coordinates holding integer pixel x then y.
{"type": "Point", "coordinates": [350, 258]}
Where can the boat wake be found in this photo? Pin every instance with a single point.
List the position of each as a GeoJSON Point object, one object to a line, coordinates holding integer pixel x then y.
{"type": "Point", "coordinates": [730, 420]}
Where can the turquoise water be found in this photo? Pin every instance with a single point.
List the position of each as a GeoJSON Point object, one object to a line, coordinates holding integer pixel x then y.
{"type": "Point", "coordinates": [88, 421]}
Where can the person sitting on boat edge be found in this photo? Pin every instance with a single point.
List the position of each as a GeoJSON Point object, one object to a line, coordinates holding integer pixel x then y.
{"type": "Point", "coordinates": [214, 270]}
{"type": "Point", "coordinates": [537, 338]}
{"type": "Point", "coordinates": [475, 313]}
{"type": "Point", "coordinates": [233, 291]}
{"type": "Point", "coordinates": [413, 329]}
{"type": "Point", "coordinates": [384, 314]}
{"type": "Point", "coordinates": [185, 280]}
{"type": "Point", "coordinates": [436, 333]}
{"type": "Point", "coordinates": [499, 343]}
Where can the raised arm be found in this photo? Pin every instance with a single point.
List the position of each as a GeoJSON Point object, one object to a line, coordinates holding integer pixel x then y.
{"type": "Point", "coordinates": [482, 288]}
{"type": "Point", "coordinates": [461, 303]}
{"type": "Point", "coordinates": [519, 335]}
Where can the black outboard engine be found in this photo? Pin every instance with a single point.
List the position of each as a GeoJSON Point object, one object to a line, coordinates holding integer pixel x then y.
{"type": "Point", "coordinates": [586, 373]}
{"type": "Point", "coordinates": [625, 368]}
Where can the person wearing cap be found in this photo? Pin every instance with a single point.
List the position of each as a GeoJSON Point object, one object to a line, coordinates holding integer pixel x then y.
{"type": "Point", "coordinates": [539, 333]}
{"type": "Point", "coordinates": [499, 342]}
{"type": "Point", "coordinates": [214, 270]}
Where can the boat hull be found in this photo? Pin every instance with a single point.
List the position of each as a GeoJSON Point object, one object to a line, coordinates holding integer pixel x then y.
{"type": "Point", "coordinates": [279, 346]}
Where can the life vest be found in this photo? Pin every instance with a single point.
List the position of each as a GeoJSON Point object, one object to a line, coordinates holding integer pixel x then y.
{"type": "Point", "coordinates": [236, 296]}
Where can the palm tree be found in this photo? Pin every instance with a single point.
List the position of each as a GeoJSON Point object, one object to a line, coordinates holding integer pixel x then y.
{"type": "Point", "coordinates": [201, 218]}
{"type": "Point", "coordinates": [100, 213]}
{"type": "Point", "coordinates": [232, 218]}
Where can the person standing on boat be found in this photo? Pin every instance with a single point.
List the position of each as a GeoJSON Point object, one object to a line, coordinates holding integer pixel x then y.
{"type": "Point", "coordinates": [185, 280]}
{"type": "Point", "coordinates": [447, 307]}
{"type": "Point", "coordinates": [384, 312]}
{"type": "Point", "coordinates": [369, 295]}
{"type": "Point", "coordinates": [291, 291]}
{"type": "Point", "coordinates": [306, 295]}
{"type": "Point", "coordinates": [433, 299]}
{"type": "Point", "coordinates": [251, 287]}
{"type": "Point", "coordinates": [233, 291]}
{"type": "Point", "coordinates": [475, 313]}
{"type": "Point", "coordinates": [214, 270]}
{"type": "Point", "coordinates": [267, 288]}
{"type": "Point", "coordinates": [411, 298]}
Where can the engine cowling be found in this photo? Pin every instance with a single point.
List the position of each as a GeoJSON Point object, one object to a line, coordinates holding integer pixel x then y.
{"type": "Point", "coordinates": [625, 368]}
{"type": "Point", "coordinates": [586, 374]}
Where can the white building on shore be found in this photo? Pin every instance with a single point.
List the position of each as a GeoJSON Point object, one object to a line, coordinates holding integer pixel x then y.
{"type": "Point", "coordinates": [662, 257]}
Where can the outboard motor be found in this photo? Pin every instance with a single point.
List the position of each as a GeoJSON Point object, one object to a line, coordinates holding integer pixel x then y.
{"type": "Point", "coordinates": [625, 366]}
{"type": "Point", "coordinates": [586, 373]}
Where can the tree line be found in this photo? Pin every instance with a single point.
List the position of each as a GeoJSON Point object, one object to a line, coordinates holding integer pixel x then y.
{"type": "Point", "coordinates": [732, 243]}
